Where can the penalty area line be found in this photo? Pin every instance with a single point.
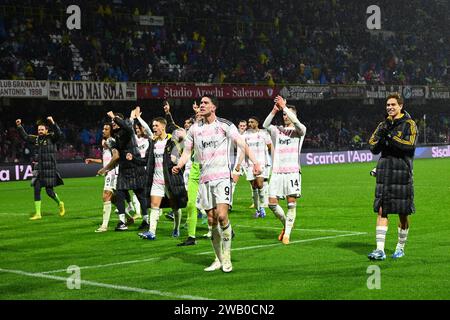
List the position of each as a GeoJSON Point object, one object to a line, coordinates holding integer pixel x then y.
{"type": "Point", "coordinates": [105, 285]}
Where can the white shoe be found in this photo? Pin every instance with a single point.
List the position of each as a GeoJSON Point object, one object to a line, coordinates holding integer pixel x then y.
{"type": "Point", "coordinates": [102, 229]}
{"type": "Point", "coordinates": [216, 265]}
{"type": "Point", "coordinates": [226, 263]}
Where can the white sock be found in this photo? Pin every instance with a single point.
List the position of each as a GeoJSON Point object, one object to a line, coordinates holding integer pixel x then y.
{"type": "Point", "coordinates": [136, 204]}
{"type": "Point", "coordinates": [154, 217]}
{"type": "Point", "coordinates": [402, 236]}
{"type": "Point", "coordinates": [145, 218]}
{"type": "Point", "coordinates": [177, 219]}
{"type": "Point", "coordinates": [106, 213]}
{"type": "Point", "coordinates": [226, 237]}
{"type": "Point", "coordinates": [381, 237]}
{"type": "Point", "coordinates": [122, 218]}
{"type": "Point", "coordinates": [216, 240]}
{"type": "Point", "coordinates": [290, 219]}
{"type": "Point", "coordinates": [255, 194]}
{"type": "Point", "coordinates": [279, 213]}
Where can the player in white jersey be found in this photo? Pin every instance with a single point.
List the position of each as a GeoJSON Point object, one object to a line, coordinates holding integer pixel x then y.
{"type": "Point", "coordinates": [242, 127]}
{"type": "Point", "coordinates": [258, 140]}
{"type": "Point", "coordinates": [285, 181]}
{"type": "Point", "coordinates": [110, 178]}
{"type": "Point", "coordinates": [212, 140]}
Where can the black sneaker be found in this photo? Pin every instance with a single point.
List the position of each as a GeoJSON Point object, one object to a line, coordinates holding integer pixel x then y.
{"type": "Point", "coordinates": [188, 242]}
{"type": "Point", "coordinates": [144, 225]}
{"type": "Point", "coordinates": [121, 226]}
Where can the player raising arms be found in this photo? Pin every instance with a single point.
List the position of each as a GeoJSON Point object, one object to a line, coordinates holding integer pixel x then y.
{"type": "Point", "coordinates": [285, 181]}
{"type": "Point", "coordinates": [110, 178]}
{"type": "Point", "coordinates": [212, 139]}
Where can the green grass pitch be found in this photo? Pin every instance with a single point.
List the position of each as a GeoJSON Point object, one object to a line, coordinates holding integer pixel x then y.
{"type": "Point", "coordinates": [327, 259]}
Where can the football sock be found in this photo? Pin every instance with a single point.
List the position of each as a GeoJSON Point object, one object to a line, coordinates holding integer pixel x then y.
{"type": "Point", "coordinates": [145, 218]}
{"type": "Point", "coordinates": [261, 198]}
{"type": "Point", "coordinates": [255, 193]}
{"type": "Point", "coordinates": [402, 236]}
{"type": "Point", "coordinates": [106, 213]}
{"type": "Point", "coordinates": [154, 217]}
{"type": "Point", "coordinates": [290, 219]}
{"type": "Point", "coordinates": [226, 237]}
{"type": "Point", "coordinates": [122, 217]}
{"type": "Point", "coordinates": [37, 207]}
{"type": "Point", "coordinates": [216, 240]}
{"type": "Point", "coordinates": [381, 237]}
{"type": "Point", "coordinates": [177, 219]}
{"type": "Point", "coordinates": [279, 213]}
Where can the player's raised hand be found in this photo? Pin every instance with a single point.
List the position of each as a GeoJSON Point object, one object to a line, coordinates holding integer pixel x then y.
{"type": "Point", "coordinates": [50, 119]}
{"type": "Point", "coordinates": [166, 107]}
{"type": "Point", "coordinates": [110, 114]}
{"type": "Point", "coordinates": [137, 112]}
{"type": "Point", "coordinates": [18, 122]}
{"type": "Point", "coordinates": [195, 107]}
{"type": "Point", "coordinates": [280, 102]}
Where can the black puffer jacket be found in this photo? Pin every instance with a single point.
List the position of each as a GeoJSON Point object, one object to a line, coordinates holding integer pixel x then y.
{"type": "Point", "coordinates": [44, 158]}
{"type": "Point", "coordinates": [396, 140]}
{"type": "Point", "coordinates": [174, 182]}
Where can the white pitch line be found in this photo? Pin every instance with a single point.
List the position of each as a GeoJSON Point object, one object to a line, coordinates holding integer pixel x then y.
{"type": "Point", "coordinates": [292, 242]}
{"type": "Point", "coordinates": [311, 230]}
{"type": "Point", "coordinates": [102, 265]}
{"type": "Point", "coordinates": [105, 285]}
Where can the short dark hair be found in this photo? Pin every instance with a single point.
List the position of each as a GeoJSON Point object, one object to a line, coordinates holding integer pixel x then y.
{"type": "Point", "coordinates": [119, 115]}
{"type": "Point", "coordinates": [254, 118]}
{"type": "Point", "coordinates": [395, 95]}
{"type": "Point", "coordinates": [242, 120]}
{"type": "Point", "coordinates": [212, 98]}
{"type": "Point", "coordinates": [161, 120]}
{"type": "Point", "coordinates": [292, 107]}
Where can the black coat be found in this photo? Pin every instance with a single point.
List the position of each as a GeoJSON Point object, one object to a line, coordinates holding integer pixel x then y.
{"type": "Point", "coordinates": [174, 182]}
{"type": "Point", "coordinates": [44, 157]}
{"type": "Point", "coordinates": [396, 140]}
{"type": "Point", "coordinates": [131, 174]}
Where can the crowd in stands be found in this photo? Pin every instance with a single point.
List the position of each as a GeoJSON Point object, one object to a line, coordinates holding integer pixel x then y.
{"type": "Point", "coordinates": [214, 41]}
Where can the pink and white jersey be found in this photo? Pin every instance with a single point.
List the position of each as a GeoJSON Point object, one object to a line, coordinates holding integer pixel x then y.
{"type": "Point", "coordinates": [213, 146]}
{"type": "Point", "coordinates": [287, 143]}
{"type": "Point", "coordinates": [142, 145]}
{"type": "Point", "coordinates": [158, 151]}
{"type": "Point", "coordinates": [257, 142]}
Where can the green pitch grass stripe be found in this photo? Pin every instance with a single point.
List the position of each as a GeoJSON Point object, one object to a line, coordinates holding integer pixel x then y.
{"type": "Point", "coordinates": [101, 265]}
{"type": "Point", "coordinates": [105, 285]}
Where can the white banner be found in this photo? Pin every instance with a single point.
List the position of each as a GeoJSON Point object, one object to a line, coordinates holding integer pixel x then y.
{"type": "Point", "coordinates": [24, 88]}
{"type": "Point", "coordinates": [151, 21]}
{"type": "Point", "coordinates": [91, 91]}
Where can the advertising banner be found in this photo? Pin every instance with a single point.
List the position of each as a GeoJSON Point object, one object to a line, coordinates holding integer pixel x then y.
{"type": "Point", "coordinates": [87, 90]}
{"type": "Point", "coordinates": [24, 88]}
{"type": "Point", "coordinates": [195, 91]}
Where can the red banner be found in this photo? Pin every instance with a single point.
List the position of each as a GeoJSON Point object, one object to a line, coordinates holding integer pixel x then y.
{"type": "Point", "coordinates": [192, 91]}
